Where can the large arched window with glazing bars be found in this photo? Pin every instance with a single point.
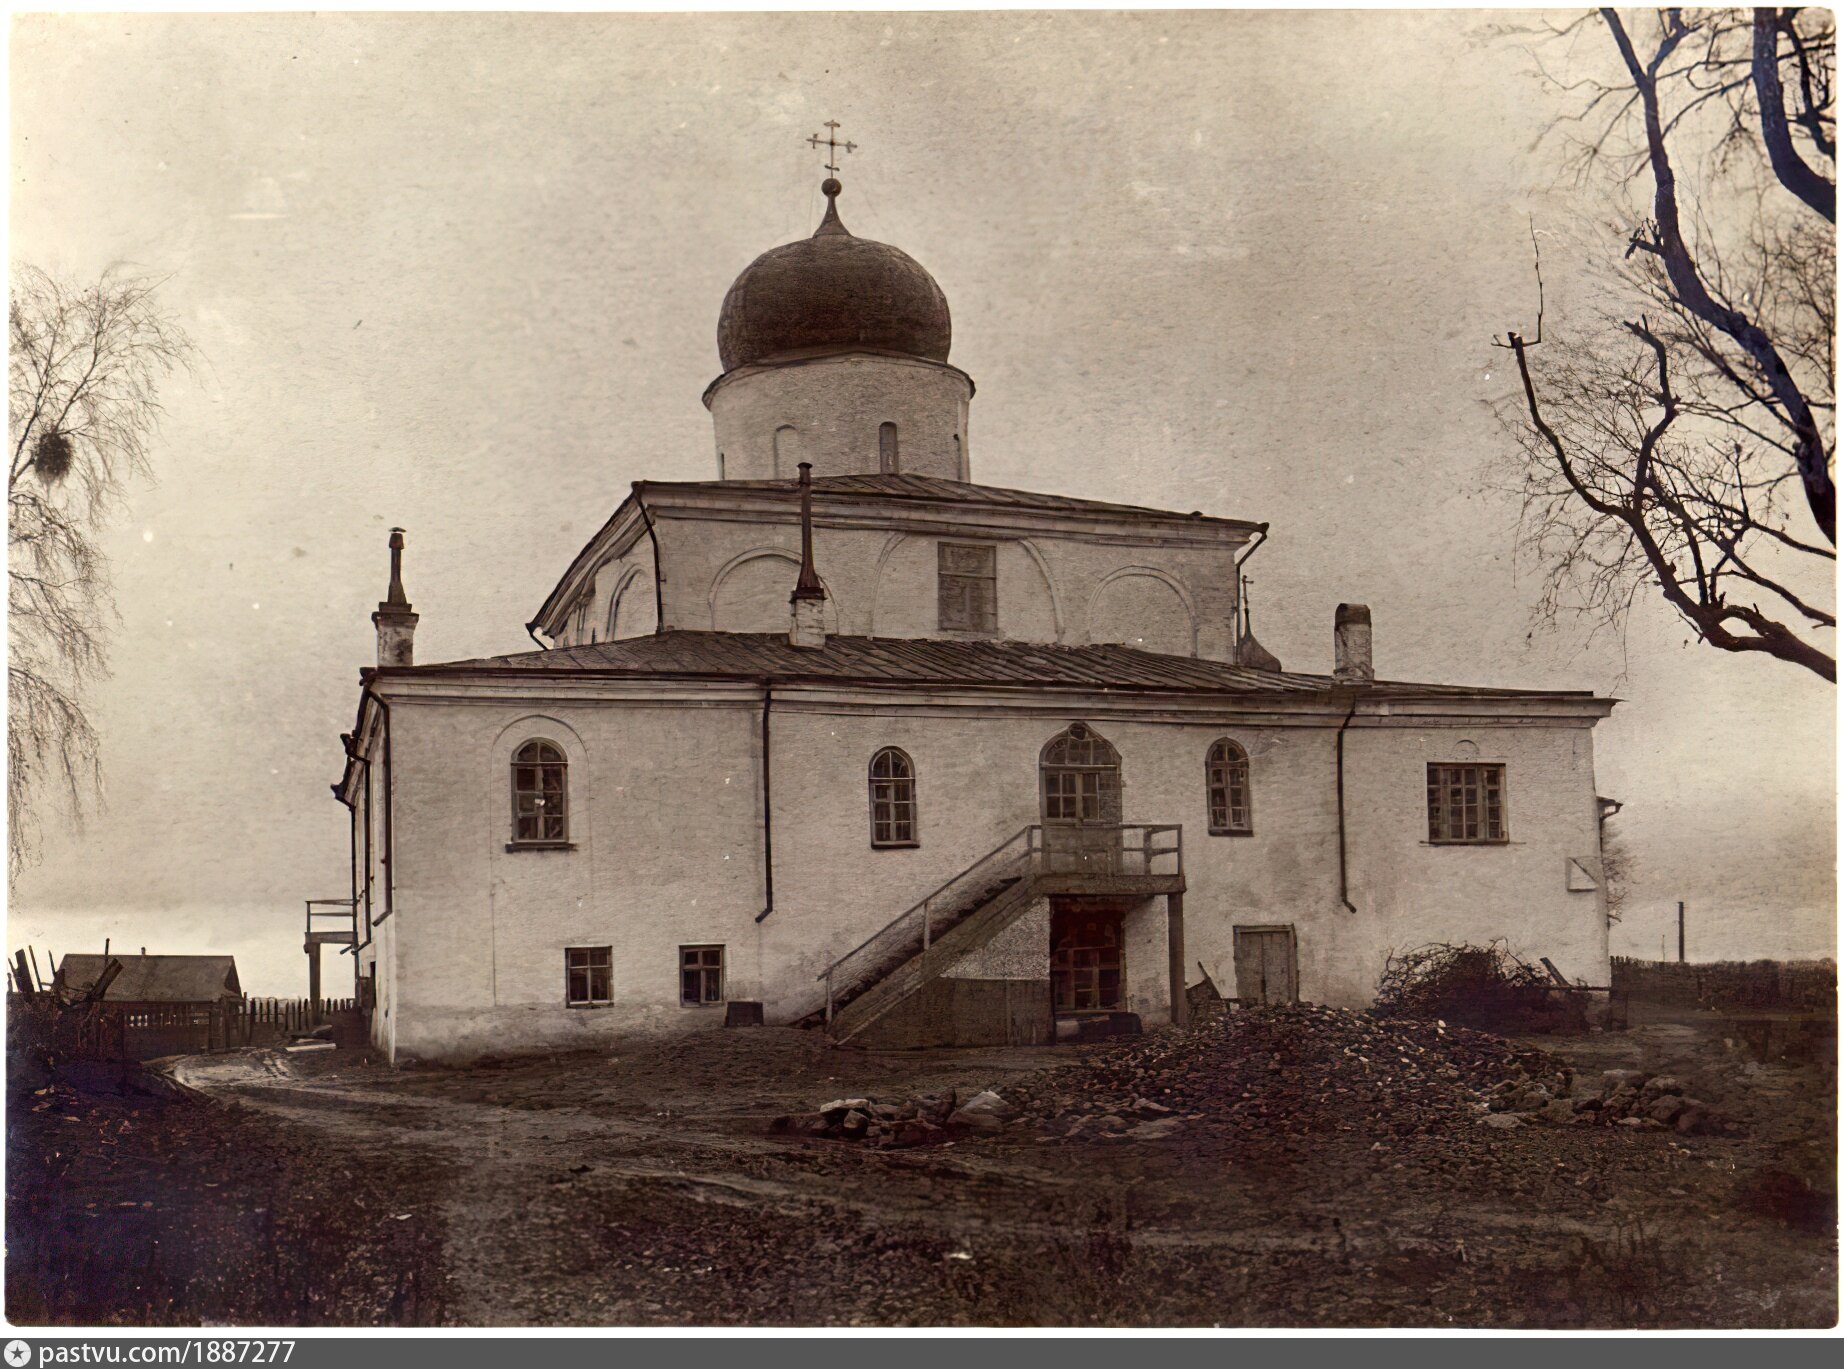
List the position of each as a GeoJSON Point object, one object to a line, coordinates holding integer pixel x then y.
{"type": "Point", "coordinates": [540, 794]}
{"type": "Point", "coordinates": [1226, 777]}
{"type": "Point", "coordinates": [893, 799]}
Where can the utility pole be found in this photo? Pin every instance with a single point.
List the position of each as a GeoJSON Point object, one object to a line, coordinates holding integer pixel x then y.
{"type": "Point", "coordinates": [1680, 931]}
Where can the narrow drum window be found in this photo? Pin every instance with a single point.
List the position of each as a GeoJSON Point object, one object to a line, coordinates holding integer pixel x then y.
{"type": "Point", "coordinates": [787, 452]}
{"type": "Point", "coordinates": [1466, 804]}
{"type": "Point", "coordinates": [893, 799]}
{"type": "Point", "coordinates": [1226, 775]}
{"type": "Point", "coordinates": [886, 448]}
{"type": "Point", "coordinates": [968, 587]}
{"type": "Point", "coordinates": [587, 974]}
{"type": "Point", "coordinates": [540, 794]}
{"type": "Point", "coordinates": [701, 975]}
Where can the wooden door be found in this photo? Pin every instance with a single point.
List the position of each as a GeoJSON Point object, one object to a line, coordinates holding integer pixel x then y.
{"type": "Point", "coordinates": [1086, 959]}
{"type": "Point", "coordinates": [1081, 801]}
{"type": "Point", "coordinates": [1265, 965]}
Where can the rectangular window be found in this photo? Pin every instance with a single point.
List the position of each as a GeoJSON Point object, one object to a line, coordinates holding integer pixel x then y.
{"type": "Point", "coordinates": [968, 587]}
{"type": "Point", "coordinates": [701, 975]}
{"type": "Point", "coordinates": [588, 973]}
{"type": "Point", "coordinates": [1466, 803]}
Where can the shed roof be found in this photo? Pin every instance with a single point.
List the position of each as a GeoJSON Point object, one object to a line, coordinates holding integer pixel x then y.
{"type": "Point", "coordinates": [156, 978]}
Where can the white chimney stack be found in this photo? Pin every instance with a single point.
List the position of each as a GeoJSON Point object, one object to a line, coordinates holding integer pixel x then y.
{"type": "Point", "coordinates": [1351, 645]}
{"type": "Point", "coordinates": [395, 622]}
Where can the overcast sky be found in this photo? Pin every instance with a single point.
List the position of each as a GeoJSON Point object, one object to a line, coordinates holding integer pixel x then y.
{"type": "Point", "coordinates": [462, 274]}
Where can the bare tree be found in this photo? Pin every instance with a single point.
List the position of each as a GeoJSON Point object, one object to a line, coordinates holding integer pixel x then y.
{"type": "Point", "coordinates": [1688, 443]}
{"type": "Point", "coordinates": [82, 404]}
{"type": "Point", "coordinates": [1616, 870]}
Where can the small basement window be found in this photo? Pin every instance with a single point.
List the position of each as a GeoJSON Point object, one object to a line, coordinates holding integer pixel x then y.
{"type": "Point", "coordinates": [1466, 804]}
{"type": "Point", "coordinates": [701, 975]}
{"type": "Point", "coordinates": [588, 975]}
{"type": "Point", "coordinates": [968, 587]}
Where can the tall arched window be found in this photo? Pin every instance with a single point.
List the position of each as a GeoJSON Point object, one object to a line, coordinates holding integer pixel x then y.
{"type": "Point", "coordinates": [540, 794]}
{"type": "Point", "coordinates": [886, 448]}
{"type": "Point", "coordinates": [893, 799]}
{"type": "Point", "coordinates": [1226, 778]}
{"type": "Point", "coordinates": [787, 452]}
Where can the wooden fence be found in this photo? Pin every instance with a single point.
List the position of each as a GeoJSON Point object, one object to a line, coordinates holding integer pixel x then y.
{"type": "Point", "coordinates": [261, 1021]}
{"type": "Point", "coordinates": [1808, 986]}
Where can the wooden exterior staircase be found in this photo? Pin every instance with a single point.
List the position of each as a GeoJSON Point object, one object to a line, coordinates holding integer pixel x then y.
{"type": "Point", "coordinates": [916, 947]}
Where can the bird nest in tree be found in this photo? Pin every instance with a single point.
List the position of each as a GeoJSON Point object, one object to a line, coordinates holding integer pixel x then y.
{"type": "Point", "coordinates": [1478, 986]}
{"type": "Point", "coordinates": [52, 455]}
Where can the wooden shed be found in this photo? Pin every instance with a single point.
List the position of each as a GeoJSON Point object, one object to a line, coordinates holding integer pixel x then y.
{"type": "Point", "coordinates": [168, 1004]}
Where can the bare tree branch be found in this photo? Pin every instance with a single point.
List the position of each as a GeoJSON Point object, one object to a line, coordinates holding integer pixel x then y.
{"type": "Point", "coordinates": [1788, 165]}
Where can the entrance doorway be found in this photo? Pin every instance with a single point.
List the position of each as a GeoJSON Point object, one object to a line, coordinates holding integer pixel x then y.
{"type": "Point", "coordinates": [1265, 965]}
{"type": "Point", "coordinates": [1086, 960]}
{"type": "Point", "coordinates": [1079, 772]}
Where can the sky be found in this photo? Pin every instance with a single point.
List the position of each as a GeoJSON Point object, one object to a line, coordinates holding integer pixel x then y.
{"type": "Point", "coordinates": [461, 274]}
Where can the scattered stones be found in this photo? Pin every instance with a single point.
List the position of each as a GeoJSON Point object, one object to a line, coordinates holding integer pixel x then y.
{"type": "Point", "coordinates": [985, 1111]}
{"type": "Point", "coordinates": [1153, 1131]}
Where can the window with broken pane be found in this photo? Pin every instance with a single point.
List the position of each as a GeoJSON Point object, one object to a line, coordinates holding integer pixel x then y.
{"type": "Point", "coordinates": [1466, 804]}
{"type": "Point", "coordinates": [540, 797]}
{"type": "Point", "coordinates": [968, 587]}
{"type": "Point", "coordinates": [701, 975]}
{"type": "Point", "coordinates": [588, 973]}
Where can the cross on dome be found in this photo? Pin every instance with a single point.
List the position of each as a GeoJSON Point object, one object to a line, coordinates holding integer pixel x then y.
{"type": "Point", "coordinates": [832, 144]}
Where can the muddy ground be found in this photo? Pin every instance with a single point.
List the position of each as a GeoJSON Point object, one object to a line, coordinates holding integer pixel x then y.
{"type": "Point", "coordinates": [644, 1186]}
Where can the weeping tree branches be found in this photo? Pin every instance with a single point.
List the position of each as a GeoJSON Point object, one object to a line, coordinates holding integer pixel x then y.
{"type": "Point", "coordinates": [82, 405]}
{"type": "Point", "coordinates": [1688, 444]}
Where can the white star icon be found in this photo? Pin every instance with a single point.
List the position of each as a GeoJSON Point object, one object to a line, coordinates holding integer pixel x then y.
{"type": "Point", "coordinates": [17, 1353]}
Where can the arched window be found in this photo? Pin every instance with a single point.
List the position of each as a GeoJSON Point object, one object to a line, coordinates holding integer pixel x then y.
{"type": "Point", "coordinates": [787, 452]}
{"type": "Point", "coordinates": [1080, 771]}
{"type": "Point", "coordinates": [886, 448]}
{"type": "Point", "coordinates": [1226, 779]}
{"type": "Point", "coordinates": [540, 796]}
{"type": "Point", "coordinates": [893, 799]}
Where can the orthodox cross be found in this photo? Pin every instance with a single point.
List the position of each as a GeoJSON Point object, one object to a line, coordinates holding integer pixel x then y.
{"type": "Point", "coordinates": [832, 144]}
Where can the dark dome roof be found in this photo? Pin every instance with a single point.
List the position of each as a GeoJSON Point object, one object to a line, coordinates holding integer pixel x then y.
{"type": "Point", "coordinates": [832, 292]}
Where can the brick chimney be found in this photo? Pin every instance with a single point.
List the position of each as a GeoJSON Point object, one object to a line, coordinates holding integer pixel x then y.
{"type": "Point", "coordinates": [807, 604]}
{"type": "Point", "coordinates": [395, 623]}
{"type": "Point", "coordinates": [1351, 645]}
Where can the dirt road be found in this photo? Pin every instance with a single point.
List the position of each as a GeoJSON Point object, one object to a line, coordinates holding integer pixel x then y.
{"type": "Point", "coordinates": [645, 1187]}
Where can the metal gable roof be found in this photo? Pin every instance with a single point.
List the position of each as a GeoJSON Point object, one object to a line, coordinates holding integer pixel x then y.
{"type": "Point", "coordinates": [927, 487]}
{"type": "Point", "coordinates": [768, 655]}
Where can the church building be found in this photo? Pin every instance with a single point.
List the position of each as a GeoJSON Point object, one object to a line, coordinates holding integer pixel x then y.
{"type": "Point", "coordinates": [841, 737]}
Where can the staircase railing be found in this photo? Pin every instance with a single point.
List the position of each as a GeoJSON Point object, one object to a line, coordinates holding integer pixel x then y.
{"type": "Point", "coordinates": [1128, 849]}
{"type": "Point", "coordinates": [1011, 858]}
{"type": "Point", "coordinates": [1117, 850]}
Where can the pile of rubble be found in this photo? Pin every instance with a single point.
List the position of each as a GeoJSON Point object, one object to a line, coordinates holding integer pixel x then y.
{"type": "Point", "coordinates": [1265, 1078]}
{"type": "Point", "coordinates": [913, 1121]}
{"type": "Point", "coordinates": [1626, 1098]}
{"type": "Point", "coordinates": [1290, 1070]}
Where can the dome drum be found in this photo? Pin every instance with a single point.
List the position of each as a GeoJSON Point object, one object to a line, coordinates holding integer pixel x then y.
{"type": "Point", "coordinates": [851, 413]}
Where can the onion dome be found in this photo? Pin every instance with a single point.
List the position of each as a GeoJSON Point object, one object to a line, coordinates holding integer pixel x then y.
{"type": "Point", "coordinates": [832, 292]}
